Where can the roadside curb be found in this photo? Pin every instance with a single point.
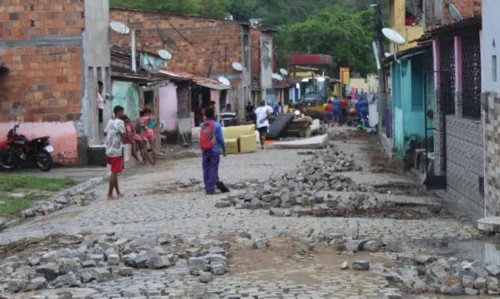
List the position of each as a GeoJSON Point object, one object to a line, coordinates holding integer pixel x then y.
{"type": "Point", "coordinates": [56, 202]}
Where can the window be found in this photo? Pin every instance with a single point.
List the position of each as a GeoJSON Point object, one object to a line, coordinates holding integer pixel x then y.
{"type": "Point", "coordinates": [414, 13]}
{"type": "Point", "coordinates": [494, 68]}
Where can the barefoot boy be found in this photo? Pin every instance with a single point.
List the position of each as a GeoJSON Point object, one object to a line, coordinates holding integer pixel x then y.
{"type": "Point", "coordinates": [114, 142]}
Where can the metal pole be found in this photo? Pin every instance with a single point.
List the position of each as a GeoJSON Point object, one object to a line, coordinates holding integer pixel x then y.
{"type": "Point", "coordinates": [382, 76]}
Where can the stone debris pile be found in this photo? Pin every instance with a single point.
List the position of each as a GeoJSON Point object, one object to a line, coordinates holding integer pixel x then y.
{"type": "Point", "coordinates": [97, 259]}
{"type": "Point", "coordinates": [447, 276]}
{"type": "Point", "coordinates": [57, 203]}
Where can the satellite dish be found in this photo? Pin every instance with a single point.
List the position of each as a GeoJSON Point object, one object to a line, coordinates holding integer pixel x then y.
{"type": "Point", "coordinates": [162, 126]}
{"type": "Point", "coordinates": [387, 54]}
{"type": "Point", "coordinates": [277, 77]}
{"type": "Point", "coordinates": [284, 72]}
{"type": "Point", "coordinates": [454, 13]}
{"type": "Point", "coordinates": [164, 54]}
{"type": "Point", "coordinates": [393, 36]}
{"type": "Point", "coordinates": [237, 66]}
{"type": "Point", "coordinates": [224, 81]}
{"type": "Point", "coordinates": [150, 67]}
{"type": "Point", "coordinates": [119, 27]}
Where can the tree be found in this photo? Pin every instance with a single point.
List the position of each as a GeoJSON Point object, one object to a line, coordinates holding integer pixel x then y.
{"type": "Point", "coordinates": [344, 34]}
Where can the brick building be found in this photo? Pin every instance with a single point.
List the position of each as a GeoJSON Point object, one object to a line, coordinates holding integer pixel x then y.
{"type": "Point", "coordinates": [57, 51]}
{"type": "Point", "coordinates": [199, 46]}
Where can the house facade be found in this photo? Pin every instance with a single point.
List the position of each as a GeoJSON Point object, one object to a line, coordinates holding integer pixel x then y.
{"type": "Point", "coordinates": [459, 129]}
{"type": "Point", "coordinates": [200, 46]}
{"type": "Point", "coordinates": [491, 105]}
{"type": "Point", "coordinates": [57, 52]}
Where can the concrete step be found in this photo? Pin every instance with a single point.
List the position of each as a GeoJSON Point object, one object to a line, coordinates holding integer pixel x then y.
{"type": "Point", "coordinates": [489, 224]}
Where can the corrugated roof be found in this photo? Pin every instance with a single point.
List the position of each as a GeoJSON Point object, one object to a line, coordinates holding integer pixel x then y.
{"type": "Point", "coordinates": [472, 21]}
{"type": "Point", "coordinates": [202, 81]}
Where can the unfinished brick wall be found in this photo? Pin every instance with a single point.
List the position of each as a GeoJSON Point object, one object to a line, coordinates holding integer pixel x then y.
{"type": "Point", "coordinates": [40, 42]}
{"type": "Point", "coordinates": [198, 41]}
{"type": "Point", "coordinates": [467, 9]}
{"type": "Point", "coordinates": [255, 36]}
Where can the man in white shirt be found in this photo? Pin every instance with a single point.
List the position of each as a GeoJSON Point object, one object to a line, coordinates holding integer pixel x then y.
{"type": "Point", "coordinates": [263, 112]}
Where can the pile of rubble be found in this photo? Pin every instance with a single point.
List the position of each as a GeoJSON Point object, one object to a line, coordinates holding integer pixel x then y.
{"type": "Point", "coordinates": [57, 203]}
{"type": "Point", "coordinates": [424, 273]}
{"type": "Point", "coordinates": [102, 258]}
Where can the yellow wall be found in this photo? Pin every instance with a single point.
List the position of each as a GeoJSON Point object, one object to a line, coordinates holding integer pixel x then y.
{"type": "Point", "coordinates": [397, 21]}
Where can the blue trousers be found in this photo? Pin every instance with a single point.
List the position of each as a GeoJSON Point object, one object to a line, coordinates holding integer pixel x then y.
{"type": "Point", "coordinates": [210, 169]}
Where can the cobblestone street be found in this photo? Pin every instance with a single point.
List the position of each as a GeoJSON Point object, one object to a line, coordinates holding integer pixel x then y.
{"type": "Point", "coordinates": [277, 271]}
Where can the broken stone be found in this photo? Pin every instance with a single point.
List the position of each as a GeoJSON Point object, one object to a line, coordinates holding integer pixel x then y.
{"type": "Point", "coordinates": [126, 271]}
{"type": "Point", "coordinates": [49, 271]}
{"type": "Point", "coordinates": [158, 262]}
{"type": "Point", "coordinates": [361, 265]}
{"type": "Point", "coordinates": [344, 266]}
{"type": "Point", "coordinates": [206, 277]}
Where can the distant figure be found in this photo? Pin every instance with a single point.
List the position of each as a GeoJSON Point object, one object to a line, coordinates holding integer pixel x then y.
{"type": "Point", "coordinates": [336, 109]}
{"type": "Point", "coordinates": [100, 104]}
{"type": "Point", "coordinates": [250, 111]}
{"type": "Point", "coordinates": [212, 144]}
{"type": "Point", "coordinates": [147, 133]}
{"type": "Point", "coordinates": [131, 137]}
{"type": "Point", "coordinates": [344, 107]}
{"type": "Point", "coordinates": [329, 112]}
{"type": "Point", "coordinates": [276, 109]}
{"type": "Point", "coordinates": [362, 109]}
{"type": "Point", "coordinates": [228, 117]}
{"type": "Point", "coordinates": [263, 114]}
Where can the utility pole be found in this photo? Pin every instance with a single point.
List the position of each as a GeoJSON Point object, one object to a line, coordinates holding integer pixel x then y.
{"type": "Point", "coordinates": [382, 77]}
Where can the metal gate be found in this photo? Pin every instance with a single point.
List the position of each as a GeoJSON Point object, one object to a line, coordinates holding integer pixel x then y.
{"type": "Point", "coordinates": [444, 105]}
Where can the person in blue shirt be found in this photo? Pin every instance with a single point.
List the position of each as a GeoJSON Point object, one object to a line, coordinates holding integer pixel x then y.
{"type": "Point", "coordinates": [276, 109]}
{"type": "Point", "coordinates": [211, 158]}
{"type": "Point", "coordinates": [362, 109]}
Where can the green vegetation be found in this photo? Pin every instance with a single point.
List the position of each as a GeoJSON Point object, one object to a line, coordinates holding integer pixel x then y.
{"type": "Point", "coordinates": [31, 188]}
{"type": "Point", "coordinates": [341, 28]}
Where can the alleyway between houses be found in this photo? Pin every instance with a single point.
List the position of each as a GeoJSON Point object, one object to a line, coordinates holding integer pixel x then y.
{"type": "Point", "coordinates": [268, 256]}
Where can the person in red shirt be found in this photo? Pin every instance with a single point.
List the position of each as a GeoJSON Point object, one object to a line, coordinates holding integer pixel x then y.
{"type": "Point", "coordinates": [343, 108]}
{"type": "Point", "coordinates": [329, 112]}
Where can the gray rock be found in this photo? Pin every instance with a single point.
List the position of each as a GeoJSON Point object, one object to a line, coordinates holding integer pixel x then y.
{"type": "Point", "coordinates": [102, 274]}
{"type": "Point", "coordinates": [259, 244]}
{"type": "Point", "coordinates": [158, 262]}
{"type": "Point", "coordinates": [197, 263]}
{"type": "Point", "coordinates": [278, 212]}
{"type": "Point", "coordinates": [113, 259]}
{"type": "Point", "coordinates": [67, 280]}
{"type": "Point", "coordinates": [373, 245]}
{"type": "Point", "coordinates": [219, 268]}
{"type": "Point", "coordinates": [89, 264]}
{"type": "Point", "coordinates": [126, 271]}
{"type": "Point", "coordinates": [455, 289]}
{"type": "Point", "coordinates": [480, 283]}
{"type": "Point", "coordinates": [471, 292]}
{"type": "Point", "coordinates": [38, 283]}
{"type": "Point", "coordinates": [361, 265]}
{"type": "Point", "coordinates": [468, 278]}
{"type": "Point", "coordinates": [492, 284]}
{"type": "Point", "coordinates": [49, 271]}
{"type": "Point", "coordinates": [223, 204]}
{"type": "Point", "coordinates": [205, 277]}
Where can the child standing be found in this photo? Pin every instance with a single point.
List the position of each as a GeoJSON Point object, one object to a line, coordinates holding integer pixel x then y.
{"type": "Point", "coordinates": [147, 133]}
{"type": "Point", "coordinates": [114, 144]}
{"type": "Point", "coordinates": [133, 139]}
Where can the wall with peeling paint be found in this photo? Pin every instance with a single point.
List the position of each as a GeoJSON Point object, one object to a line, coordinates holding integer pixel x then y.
{"type": "Point", "coordinates": [126, 94]}
{"type": "Point", "coordinates": [63, 137]}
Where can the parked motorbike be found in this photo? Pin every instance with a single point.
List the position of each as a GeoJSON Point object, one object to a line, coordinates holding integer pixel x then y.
{"type": "Point", "coordinates": [17, 150]}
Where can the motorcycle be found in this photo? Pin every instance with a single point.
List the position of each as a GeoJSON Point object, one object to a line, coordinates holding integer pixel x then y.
{"type": "Point", "coordinates": [17, 150]}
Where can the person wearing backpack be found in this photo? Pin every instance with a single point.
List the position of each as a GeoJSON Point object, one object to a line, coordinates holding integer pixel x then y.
{"type": "Point", "coordinates": [212, 145]}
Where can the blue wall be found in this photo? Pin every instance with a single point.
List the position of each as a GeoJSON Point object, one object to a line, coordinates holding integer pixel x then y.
{"type": "Point", "coordinates": [408, 101]}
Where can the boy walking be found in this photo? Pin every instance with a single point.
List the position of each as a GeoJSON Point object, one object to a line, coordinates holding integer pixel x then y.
{"type": "Point", "coordinates": [114, 142]}
{"type": "Point", "coordinates": [262, 120]}
{"type": "Point", "coordinates": [212, 145]}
